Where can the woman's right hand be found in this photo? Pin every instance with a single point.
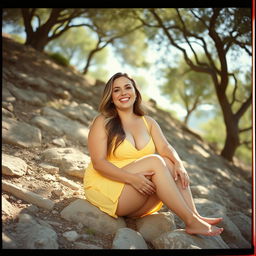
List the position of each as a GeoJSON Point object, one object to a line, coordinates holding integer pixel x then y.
{"type": "Point", "coordinates": [142, 183]}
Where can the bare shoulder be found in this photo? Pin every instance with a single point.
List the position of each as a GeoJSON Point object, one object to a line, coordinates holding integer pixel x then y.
{"type": "Point", "coordinates": [98, 123]}
{"type": "Point", "coordinates": [151, 121]}
{"type": "Point", "coordinates": [98, 120]}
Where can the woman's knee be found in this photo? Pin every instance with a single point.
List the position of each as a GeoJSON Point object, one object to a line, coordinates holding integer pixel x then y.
{"type": "Point", "coordinates": [157, 161]}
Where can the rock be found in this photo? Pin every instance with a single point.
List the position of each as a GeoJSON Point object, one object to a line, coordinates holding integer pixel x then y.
{"type": "Point", "coordinates": [49, 168]}
{"type": "Point", "coordinates": [179, 239]}
{"type": "Point", "coordinates": [83, 112]}
{"type": "Point", "coordinates": [90, 216]}
{"type": "Point", "coordinates": [244, 224]}
{"type": "Point", "coordinates": [71, 235]}
{"type": "Point", "coordinates": [12, 165]}
{"type": "Point", "coordinates": [35, 235]}
{"type": "Point", "coordinates": [59, 124]}
{"type": "Point", "coordinates": [30, 96]}
{"type": "Point", "coordinates": [232, 235]}
{"type": "Point", "coordinates": [209, 208]}
{"type": "Point", "coordinates": [81, 245]}
{"type": "Point", "coordinates": [69, 183]}
{"type": "Point", "coordinates": [28, 196]}
{"type": "Point", "coordinates": [127, 238]}
{"type": "Point", "coordinates": [152, 226]}
{"type": "Point", "coordinates": [69, 160]}
{"type": "Point", "coordinates": [8, 208]}
{"type": "Point", "coordinates": [59, 142]}
{"type": "Point", "coordinates": [8, 242]}
{"type": "Point", "coordinates": [7, 96]}
{"type": "Point", "coordinates": [20, 133]}
{"type": "Point", "coordinates": [7, 113]}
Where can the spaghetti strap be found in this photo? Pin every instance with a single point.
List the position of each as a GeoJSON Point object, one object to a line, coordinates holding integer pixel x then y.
{"type": "Point", "coordinates": [146, 123]}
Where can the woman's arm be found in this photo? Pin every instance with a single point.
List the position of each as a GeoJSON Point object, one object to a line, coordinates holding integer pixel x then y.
{"type": "Point", "coordinates": [164, 149]}
{"type": "Point", "coordinates": [97, 146]}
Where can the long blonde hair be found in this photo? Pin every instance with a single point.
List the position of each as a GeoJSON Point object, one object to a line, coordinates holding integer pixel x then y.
{"type": "Point", "coordinates": [113, 124]}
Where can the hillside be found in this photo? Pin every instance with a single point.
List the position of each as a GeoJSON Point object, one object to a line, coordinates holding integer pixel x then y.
{"type": "Point", "coordinates": [46, 112]}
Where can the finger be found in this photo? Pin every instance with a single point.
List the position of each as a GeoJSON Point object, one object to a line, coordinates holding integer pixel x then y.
{"type": "Point", "coordinates": [142, 192]}
{"type": "Point", "coordinates": [147, 191]}
{"type": "Point", "coordinates": [148, 173]}
{"type": "Point", "coordinates": [183, 181]}
{"type": "Point", "coordinates": [175, 175]}
{"type": "Point", "coordinates": [151, 185]}
{"type": "Point", "coordinates": [188, 180]}
{"type": "Point", "coordinates": [151, 189]}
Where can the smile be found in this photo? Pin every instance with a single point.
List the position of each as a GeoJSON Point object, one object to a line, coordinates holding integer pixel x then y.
{"type": "Point", "coordinates": [126, 99]}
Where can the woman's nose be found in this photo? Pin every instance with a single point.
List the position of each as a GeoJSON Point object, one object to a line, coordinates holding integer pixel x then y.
{"type": "Point", "coordinates": [123, 92]}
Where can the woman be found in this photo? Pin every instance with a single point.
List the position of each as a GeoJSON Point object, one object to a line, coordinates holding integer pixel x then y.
{"type": "Point", "coordinates": [126, 177]}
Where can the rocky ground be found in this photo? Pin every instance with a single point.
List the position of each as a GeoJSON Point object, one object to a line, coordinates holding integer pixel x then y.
{"type": "Point", "coordinates": [46, 112]}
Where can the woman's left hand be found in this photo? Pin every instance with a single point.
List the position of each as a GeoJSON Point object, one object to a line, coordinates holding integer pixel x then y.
{"type": "Point", "coordinates": [180, 172]}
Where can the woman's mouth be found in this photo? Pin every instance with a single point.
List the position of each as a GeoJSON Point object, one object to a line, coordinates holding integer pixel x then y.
{"type": "Point", "coordinates": [124, 100]}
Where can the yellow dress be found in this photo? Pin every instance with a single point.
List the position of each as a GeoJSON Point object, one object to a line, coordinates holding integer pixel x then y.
{"type": "Point", "coordinates": [104, 192]}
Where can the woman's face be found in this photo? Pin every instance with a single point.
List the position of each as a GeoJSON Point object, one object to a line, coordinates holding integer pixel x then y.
{"type": "Point", "coordinates": [123, 93]}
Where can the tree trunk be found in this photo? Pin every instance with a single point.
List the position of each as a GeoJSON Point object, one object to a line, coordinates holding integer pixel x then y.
{"type": "Point", "coordinates": [37, 40]}
{"type": "Point", "coordinates": [89, 59]}
{"type": "Point", "coordinates": [231, 142]}
{"type": "Point", "coordinates": [232, 130]}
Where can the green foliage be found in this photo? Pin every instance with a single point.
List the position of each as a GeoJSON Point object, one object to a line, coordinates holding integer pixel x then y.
{"type": "Point", "coordinates": [18, 38]}
{"type": "Point", "coordinates": [131, 49]}
{"type": "Point", "coordinates": [187, 87]}
{"type": "Point", "coordinates": [59, 58]}
{"type": "Point", "coordinates": [214, 133]}
{"type": "Point", "coordinates": [99, 73]}
{"type": "Point", "coordinates": [244, 154]}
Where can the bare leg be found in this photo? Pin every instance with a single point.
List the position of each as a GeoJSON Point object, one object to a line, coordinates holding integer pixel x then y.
{"type": "Point", "coordinates": [168, 192]}
{"type": "Point", "coordinates": [137, 205]}
{"type": "Point", "coordinates": [187, 195]}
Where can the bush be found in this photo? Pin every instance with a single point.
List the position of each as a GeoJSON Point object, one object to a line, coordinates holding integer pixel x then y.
{"type": "Point", "coordinates": [59, 59]}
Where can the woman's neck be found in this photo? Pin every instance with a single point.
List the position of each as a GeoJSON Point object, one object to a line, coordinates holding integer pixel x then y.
{"type": "Point", "coordinates": [126, 114]}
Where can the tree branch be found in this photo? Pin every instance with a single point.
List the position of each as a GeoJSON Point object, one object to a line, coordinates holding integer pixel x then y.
{"type": "Point", "coordinates": [220, 49]}
{"type": "Point", "coordinates": [187, 59]}
{"type": "Point", "coordinates": [234, 91]}
{"type": "Point", "coordinates": [243, 108]}
{"type": "Point", "coordinates": [245, 129]}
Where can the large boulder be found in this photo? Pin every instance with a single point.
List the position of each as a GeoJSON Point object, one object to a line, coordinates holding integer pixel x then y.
{"type": "Point", "coordinates": [81, 211]}
{"type": "Point", "coordinates": [179, 239]}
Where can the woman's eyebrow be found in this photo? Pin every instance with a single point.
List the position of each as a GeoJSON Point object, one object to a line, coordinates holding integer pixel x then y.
{"type": "Point", "coordinates": [119, 86]}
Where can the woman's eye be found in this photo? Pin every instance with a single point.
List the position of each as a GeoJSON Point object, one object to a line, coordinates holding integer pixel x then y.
{"type": "Point", "coordinates": [116, 90]}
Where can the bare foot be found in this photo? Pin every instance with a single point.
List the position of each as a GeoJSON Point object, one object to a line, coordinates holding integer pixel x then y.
{"type": "Point", "coordinates": [200, 227]}
{"type": "Point", "coordinates": [211, 221]}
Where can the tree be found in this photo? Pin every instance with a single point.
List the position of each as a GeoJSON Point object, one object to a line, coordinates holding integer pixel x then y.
{"type": "Point", "coordinates": [218, 32]}
{"type": "Point", "coordinates": [110, 26]}
{"type": "Point", "coordinates": [43, 25]}
{"type": "Point", "coordinates": [76, 45]}
{"type": "Point", "coordinates": [51, 23]}
{"type": "Point", "coordinates": [187, 87]}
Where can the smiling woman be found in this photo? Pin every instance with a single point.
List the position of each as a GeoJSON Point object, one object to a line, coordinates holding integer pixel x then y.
{"type": "Point", "coordinates": [126, 177]}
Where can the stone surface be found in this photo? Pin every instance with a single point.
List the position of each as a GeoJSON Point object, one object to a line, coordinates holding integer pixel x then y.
{"type": "Point", "coordinates": [179, 239]}
{"type": "Point", "coordinates": [127, 238]}
{"type": "Point", "coordinates": [81, 211]}
{"type": "Point", "coordinates": [152, 226]}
